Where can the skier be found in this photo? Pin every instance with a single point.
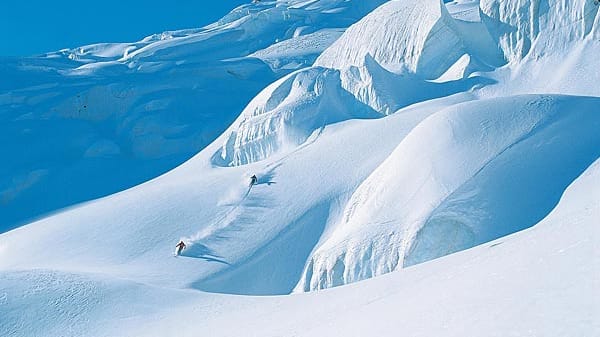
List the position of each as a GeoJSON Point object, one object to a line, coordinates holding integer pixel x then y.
{"type": "Point", "coordinates": [180, 246]}
{"type": "Point", "coordinates": [253, 180]}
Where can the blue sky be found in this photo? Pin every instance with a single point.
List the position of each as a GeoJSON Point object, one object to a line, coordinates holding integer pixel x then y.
{"type": "Point", "coordinates": [32, 27]}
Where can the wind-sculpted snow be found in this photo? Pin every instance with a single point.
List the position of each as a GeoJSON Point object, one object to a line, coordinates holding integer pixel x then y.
{"type": "Point", "coordinates": [519, 271]}
{"type": "Point", "coordinates": [383, 61]}
{"type": "Point", "coordinates": [253, 27]}
{"type": "Point", "coordinates": [550, 46]}
{"type": "Point", "coordinates": [286, 113]}
{"type": "Point", "coordinates": [101, 118]}
{"type": "Point", "coordinates": [464, 176]}
{"type": "Point", "coordinates": [419, 36]}
{"type": "Point", "coordinates": [539, 26]}
{"type": "Point", "coordinates": [421, 132]}
{"type": "Point", "coordinates": [387, 92]}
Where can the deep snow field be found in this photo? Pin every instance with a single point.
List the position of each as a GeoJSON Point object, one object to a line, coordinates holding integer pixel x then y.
{"type": "Point", "coordinates": [424, 169]}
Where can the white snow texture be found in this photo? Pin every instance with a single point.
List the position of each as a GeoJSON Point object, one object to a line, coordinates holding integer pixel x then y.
{"type": "Point", "coordinates": [444, 154]}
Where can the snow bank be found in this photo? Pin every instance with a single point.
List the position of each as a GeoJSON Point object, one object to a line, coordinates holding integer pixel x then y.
{"type": "Point", "coordinates": [289, 111]}
{"type": "Point", "coordinates": [465, 175]}
{"type": "Point", "coordinates": [387, 92]}
{"type": "Point", "coordinates": [254, 27]}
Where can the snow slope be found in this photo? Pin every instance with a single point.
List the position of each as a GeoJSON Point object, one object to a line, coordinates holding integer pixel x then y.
{"type": "Point", "coordinates": [82, 123]}
{"type": "Point", "coordinates": [467, 175]}
{"type": "Point", "coordinates": [355, 78]}
{"type": "Point", "coordinates": [388, 36]}
{"type": "Point", "coordinates": [237, 237]}
{"type": "Point", "coordinates": [549, 45]}
{"type": "Point", "coordinates": [454, 149]}
{"type": "Point", "coordinates": [298, 51]}
{"type": "Point", "coordinates": [547, 291]}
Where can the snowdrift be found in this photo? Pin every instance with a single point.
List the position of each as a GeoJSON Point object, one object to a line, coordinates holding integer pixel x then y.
{"type": "Point", "coordinates": [464, 176]}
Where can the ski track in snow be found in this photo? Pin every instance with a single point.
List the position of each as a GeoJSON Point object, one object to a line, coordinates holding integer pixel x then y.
{"type": "Point", "coordinates": [444, 154]}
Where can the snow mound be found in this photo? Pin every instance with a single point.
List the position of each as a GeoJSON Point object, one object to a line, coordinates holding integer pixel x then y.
{"type": "Point", "coordinates": [419, 36]}
{"type": "Point", "coordinates": [71, 304]}
{"type": "Point", "coordinates": [465, 175]}
{"type": "Point", "coordinates": [549, 46]}
{"type": "Point", "coordinates": [286, 113]}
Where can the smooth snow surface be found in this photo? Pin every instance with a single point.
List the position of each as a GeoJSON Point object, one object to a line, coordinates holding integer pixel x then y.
{"type": "Point", "coordinates": [464, 176]}
{"type": "Point", "coordinates": [547, 291]}
{"type": "Point", "coordinates": [446, 155]}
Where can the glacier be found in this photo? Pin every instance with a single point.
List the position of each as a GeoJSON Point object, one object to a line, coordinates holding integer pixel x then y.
{"type": "Point", "coordinates": [424, 167]}
{"type": "Point", "coordinates": [90, 121]}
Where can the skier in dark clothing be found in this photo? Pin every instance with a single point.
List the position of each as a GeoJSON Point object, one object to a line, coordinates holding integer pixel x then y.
{"type": "Point", "coordinates": [180, 246]}
{"type": "Point", "coordinates": [253, 180]}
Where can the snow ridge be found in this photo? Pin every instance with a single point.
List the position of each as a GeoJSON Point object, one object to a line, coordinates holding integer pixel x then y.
{"type": "Point", "coordinates": [384, 61]}
{"type": "Point", "coordinates": [419, 36]}
{"type": "Point", "coordinates": [286, 113]}
{"type": "Point", "coordinates": [396, 218]}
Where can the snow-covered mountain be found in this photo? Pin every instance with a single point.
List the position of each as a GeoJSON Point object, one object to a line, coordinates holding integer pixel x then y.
{"type": "Point", "coordinates": [385, 136]}
{"type": "Point", "coordinates": [83, 123]}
